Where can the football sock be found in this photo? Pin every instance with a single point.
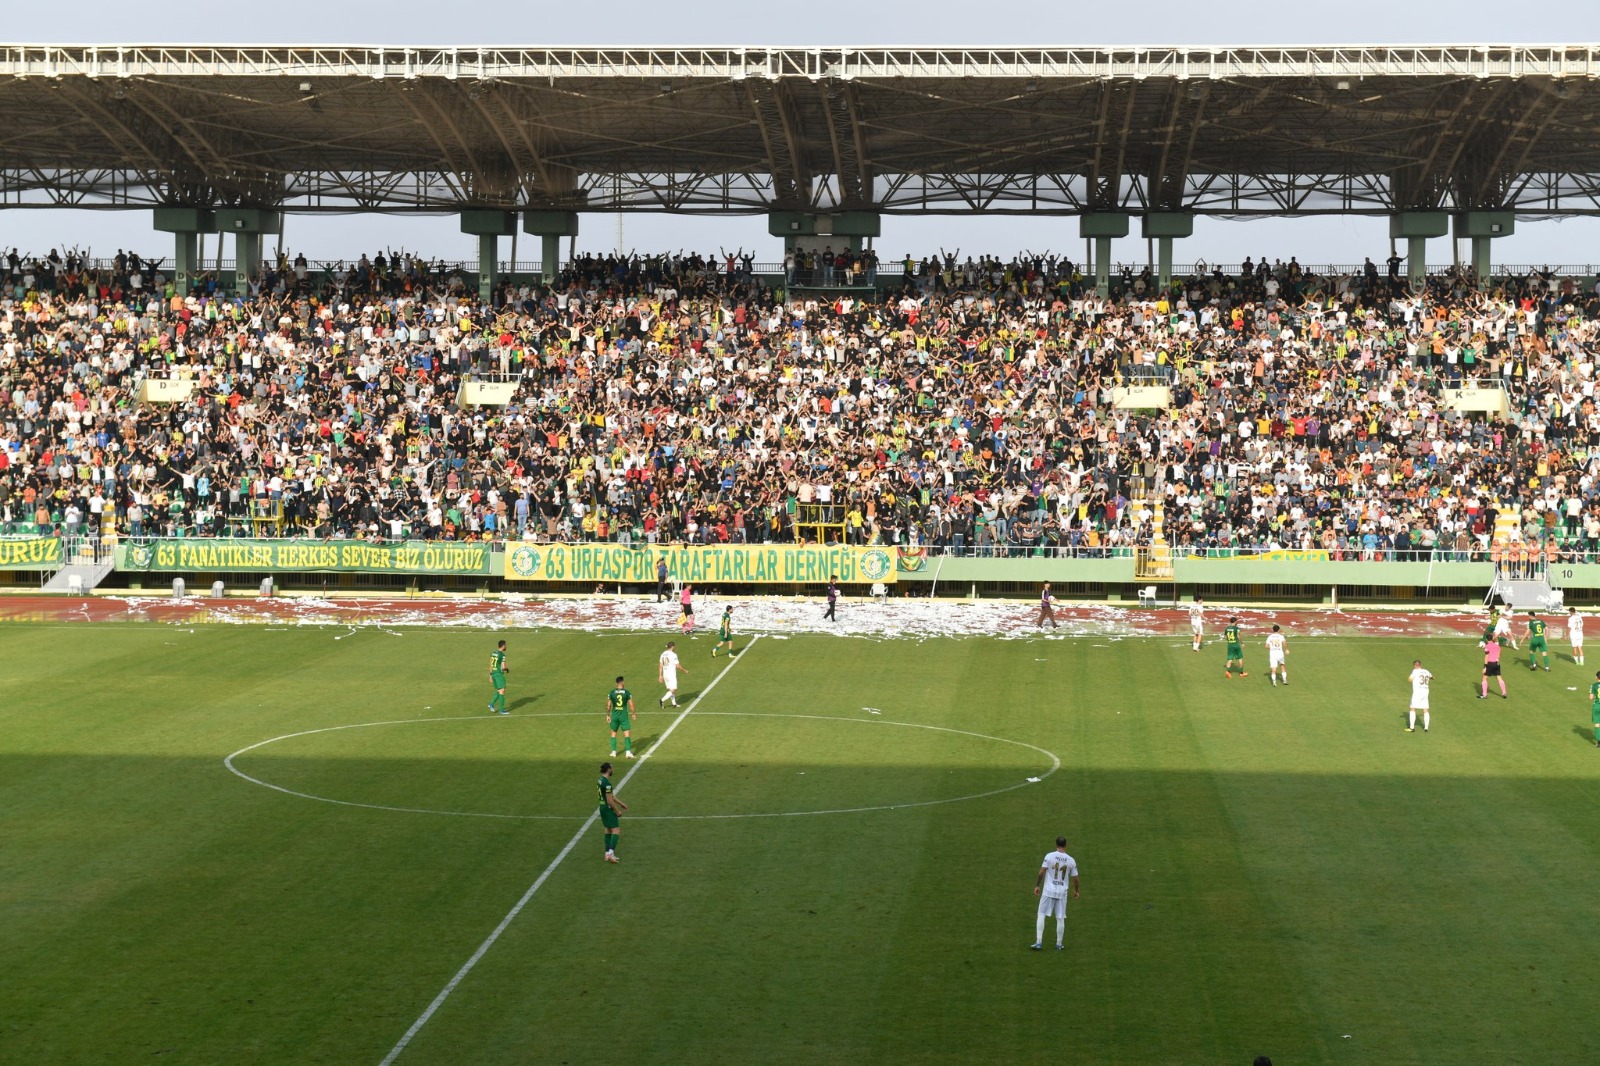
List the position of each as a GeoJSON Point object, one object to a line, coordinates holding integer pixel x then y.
{"type": "Point", "coordinates": [1424, 721]}
{"type": "Point", "coordinates": [627, 743]}
{"type": "Point", "coordinates": [1502, 686]}
{"type": "Point", "coordinates": [1038, 936]}
{"type": "Point", "coordinates": [613, 745]}
{"type": "Point", "coordinates": [1486, 686]}
{"type": "Point", "coordinates": [1411, 719]}
{"type": "Point", "coordinates": [611, 843]}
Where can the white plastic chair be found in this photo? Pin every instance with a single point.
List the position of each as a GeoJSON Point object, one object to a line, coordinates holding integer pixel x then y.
{"type": "Point", "coordinates": [1147, 596]}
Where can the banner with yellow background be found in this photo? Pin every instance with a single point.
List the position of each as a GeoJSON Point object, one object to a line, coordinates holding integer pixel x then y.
{"type": "Point", "coordinates": [30, 553]}
{"type": "Point", "coordinates": [733, 564]}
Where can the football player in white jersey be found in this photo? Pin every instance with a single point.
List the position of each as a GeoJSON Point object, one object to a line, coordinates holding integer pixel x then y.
{"type": "Point", "coordinates": [1197, 620]}
{"type": "Point", "coordinates": [1058, 871]}
{"type": "Point", "coordinates": [1575, 634]}
{"type": "Point", "coordinates": [1502, 628]}
{"type": "Point", "coordinates": [1277, 656]}
{"type": "Point", "coordinates": [667, 674]}
{"type": "Point", "coordinates": [1419, 696]}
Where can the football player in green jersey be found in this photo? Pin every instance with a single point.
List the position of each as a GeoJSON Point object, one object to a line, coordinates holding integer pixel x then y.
{"type": "Point", "coordinates": [619, 714]}
{"type": "Point", "coordinates": [497, 678]}
{"type": "Point", "coordinates": [724, 633]}
{"type": "Point", "coordinates": [611, 810]}
{"type": "Point", "coordinates": [1235, 647]}
{"type": "Point", "coordinates": [1536, 642]}
{"type": "Point", "coordinates": [1594, 707]}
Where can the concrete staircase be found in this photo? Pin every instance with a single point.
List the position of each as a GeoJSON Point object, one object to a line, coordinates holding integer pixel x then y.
{"type": "Point", "coordinates": [1153, 563]}
{"type": "Point", "coordinates": [1525, 595]}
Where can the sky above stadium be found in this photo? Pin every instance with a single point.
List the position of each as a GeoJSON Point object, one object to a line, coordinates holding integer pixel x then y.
{"type": "Point", "coordinates": [817, 22]}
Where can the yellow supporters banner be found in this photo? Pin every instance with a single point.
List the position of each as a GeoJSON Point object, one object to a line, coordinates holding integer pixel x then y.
{"type": "Point", "coordinates": [1284, 555]}
{"type": "Point", "coordinates": [29, 553]}
{"type": "Point", "coordinates": [731, 564]}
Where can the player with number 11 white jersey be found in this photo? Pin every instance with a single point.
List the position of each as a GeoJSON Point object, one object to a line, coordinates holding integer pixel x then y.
{"type": "Point", "coordinates": [1057, 872]}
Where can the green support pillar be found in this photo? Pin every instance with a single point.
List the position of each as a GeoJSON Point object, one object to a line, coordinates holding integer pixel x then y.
{"type": "Point", "coordinates": [550, 227]}
{"type": "Point", "coordinates": [488, 225]}
{"type": "Point", "coordinates": [248, 225]}
{"type": "Point", "coordinates": [1416, 263]}
{"type": "Point", "coordinates": [1164, 226]}
{"type": "Point", "coordinates": [1482, 266]}
{"type": "Point", "coordinates": [1102, 266]}
{"type": "Point", "coordinates": [1482, 227]}
{"type": "Point", "coordinates": [246, 261]}
{"type": "Point", "coordinates": [488, 265]}
{"type": "Point", "coordinates": [1416, 227]}
{"type": "Point", "coordinates": [185, 224]}
{"type": "Point", "coordinates": [549, 256]}
{"type": "Point", "coordinates": [185, 261]}
{"type": "Point", "coordinates": [1103, 226]}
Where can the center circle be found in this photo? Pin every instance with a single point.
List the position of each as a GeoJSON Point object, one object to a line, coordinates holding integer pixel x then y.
{"type": "Point", "coordinates": [911, 763]}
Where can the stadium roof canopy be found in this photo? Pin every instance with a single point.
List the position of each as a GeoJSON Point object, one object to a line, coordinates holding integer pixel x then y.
{"type": "Point", "coordinates": [1222, 131]}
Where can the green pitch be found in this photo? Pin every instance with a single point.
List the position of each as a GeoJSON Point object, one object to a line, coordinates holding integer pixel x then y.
{"type": "Point", "coordinates": [1265, 871]}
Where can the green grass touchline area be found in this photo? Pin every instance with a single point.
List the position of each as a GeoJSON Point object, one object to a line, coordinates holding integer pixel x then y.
{"type": "Point", "coordinates": [1280, 871]}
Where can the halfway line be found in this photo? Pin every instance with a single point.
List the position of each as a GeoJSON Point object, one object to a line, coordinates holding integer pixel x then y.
{"type": "Point", "coordinates": [483, 948]}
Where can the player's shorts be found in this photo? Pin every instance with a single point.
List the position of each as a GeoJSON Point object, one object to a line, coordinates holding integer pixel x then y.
{"type": "Point", "coordinates": [609, 818]}
{"type": "Point", "coordinates": [688, 609]}
{"type": "Point", "coordinates": [497, 680]}
{"type": "Point", "coordinates": [1419, 703]}
{"type": "Point", "coordinates": [1576, 638]}
{"type": "Point", "coordinates": [1537, 644]}
{"type": "Point", "coordinates": [1502, 629]}
{"type": "Point", "coordinates": [1196, 628]}
{"type": "Point", "coordinates": [1491, 669]}
{"type": "Point", "coordinates": [1236, 651]}
{"type": "Point", "coordinates": [723, 634]}
{"type": "Point", "coordinates": [620, 721]}
{"type": "Point", "coordinates": [1053, 905]}
{"type": "Point", "coordinates": [1275, 658]}
{"type": "Point", "coordinates": [670, 680]}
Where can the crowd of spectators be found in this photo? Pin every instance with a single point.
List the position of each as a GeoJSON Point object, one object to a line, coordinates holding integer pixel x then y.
{"type": "Point", "coordinates": [961, 405]}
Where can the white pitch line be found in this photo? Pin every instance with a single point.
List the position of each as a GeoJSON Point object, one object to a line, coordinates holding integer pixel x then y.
{"type": "Point", "coordinates": [511, 915]}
